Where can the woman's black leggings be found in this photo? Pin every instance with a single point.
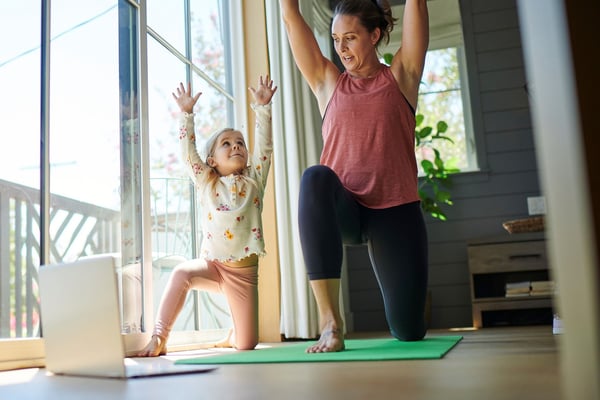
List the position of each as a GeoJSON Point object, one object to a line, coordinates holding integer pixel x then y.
{"type": "Point", "coordinates": [329, 217]}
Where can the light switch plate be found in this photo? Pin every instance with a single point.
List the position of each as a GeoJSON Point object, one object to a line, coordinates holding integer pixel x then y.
{"type": "Point", "coordinates": [536, 205]}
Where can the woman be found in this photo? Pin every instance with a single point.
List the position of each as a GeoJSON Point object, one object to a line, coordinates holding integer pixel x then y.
{"type": "Point", "coordinates": [365, 188]}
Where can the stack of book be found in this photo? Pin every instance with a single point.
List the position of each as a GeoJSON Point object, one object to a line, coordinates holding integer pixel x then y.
{"type": "Point", "coordinates": [530, 288]}
{"type": "Point", "coordinates": [542, 288]}
{"type": "Point", "coordinates": [518, 289]}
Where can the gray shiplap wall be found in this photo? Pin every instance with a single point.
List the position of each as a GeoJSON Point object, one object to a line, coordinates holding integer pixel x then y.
{"type": "Point", "coordinates": [483, 199]}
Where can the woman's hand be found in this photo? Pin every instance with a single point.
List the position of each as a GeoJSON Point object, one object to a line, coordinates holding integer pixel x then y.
{"type": "Point", "coordinates": [264, 92]}
{"type": "Point", "coordinates": [184, 98]}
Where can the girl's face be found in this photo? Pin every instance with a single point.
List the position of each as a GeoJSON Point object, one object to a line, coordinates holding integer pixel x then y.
{"type": "Point", "coordinates": [230, 155]}
{"type": "Point", "coordinates": [353, 43]}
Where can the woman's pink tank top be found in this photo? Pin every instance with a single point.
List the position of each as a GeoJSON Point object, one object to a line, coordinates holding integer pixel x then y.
{"type": "Point", "coordinates": [369, 140]}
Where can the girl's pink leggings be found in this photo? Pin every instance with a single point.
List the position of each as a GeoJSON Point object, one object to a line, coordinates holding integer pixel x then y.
{"type": "Point", "coordinates": [238, 284]}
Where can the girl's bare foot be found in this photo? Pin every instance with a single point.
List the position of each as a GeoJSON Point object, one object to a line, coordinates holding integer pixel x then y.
{"type": "Point", "coordinates": [156, 347]}
{"type": "Point", "coordinates": [331, 340]}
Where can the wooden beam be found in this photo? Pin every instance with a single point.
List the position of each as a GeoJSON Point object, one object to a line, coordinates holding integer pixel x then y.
{"type": "Point", "coordinates": [257, 63]}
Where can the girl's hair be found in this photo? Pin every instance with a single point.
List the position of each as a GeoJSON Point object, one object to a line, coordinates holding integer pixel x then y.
{"type": "Point", "coordinates": [371, 13]}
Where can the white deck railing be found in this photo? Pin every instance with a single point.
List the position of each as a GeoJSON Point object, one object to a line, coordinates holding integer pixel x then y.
{"type": "Point", "coordinates": [81, 229]}
{"type": "Point", "coordinates": [77, 229]}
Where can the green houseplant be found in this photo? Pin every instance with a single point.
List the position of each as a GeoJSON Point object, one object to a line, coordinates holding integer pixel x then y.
{"type": "Point", "coordinates": [434, 185]}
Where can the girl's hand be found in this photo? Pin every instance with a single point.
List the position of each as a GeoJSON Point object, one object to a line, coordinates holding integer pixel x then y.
{"type": "Point", "coordinates": [264, 92]}
{"type": "Point", "coordinates": [184, 98]}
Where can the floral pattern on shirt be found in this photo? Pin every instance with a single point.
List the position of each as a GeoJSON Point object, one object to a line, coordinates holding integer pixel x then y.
{"type": "Point", "coordinates": [231, 222]}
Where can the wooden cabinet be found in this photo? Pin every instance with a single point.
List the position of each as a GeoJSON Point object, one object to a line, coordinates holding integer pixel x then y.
{"type": "Point", "coordinates": [498, 261]}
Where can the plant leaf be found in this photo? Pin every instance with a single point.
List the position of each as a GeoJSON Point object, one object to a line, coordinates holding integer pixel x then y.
{"type": "Point", "coordinates": [427, 166]}
{"type": "Point", "coordinates": [423, 133]}
{"type": "Point", "coordinates": [442, 126]}
{"type": "Point", "coordinates": [442, 196]}
{"type": "Point", "coordinates": [387, 58]}
{"type": "Point", "coordinates": [419, 118]}
{"type": "Point", "coordinates": [432, 185]}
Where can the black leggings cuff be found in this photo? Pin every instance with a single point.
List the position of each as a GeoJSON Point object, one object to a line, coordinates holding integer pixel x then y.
{"type": "Point", "coordinates": [322, 275]}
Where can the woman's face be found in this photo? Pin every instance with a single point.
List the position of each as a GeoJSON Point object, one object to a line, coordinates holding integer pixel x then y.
{"type": "Point", "coordinates": [230, 155]}
{"type": "Point", "coordinates": [353, 43]}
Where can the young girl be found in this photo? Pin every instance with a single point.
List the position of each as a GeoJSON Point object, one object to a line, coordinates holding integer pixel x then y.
{"type": "Point", "coordinates": [231, 190]}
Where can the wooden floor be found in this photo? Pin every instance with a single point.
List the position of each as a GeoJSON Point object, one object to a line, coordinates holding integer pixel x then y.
{"type": "Point", "coordinates": [491, 364]}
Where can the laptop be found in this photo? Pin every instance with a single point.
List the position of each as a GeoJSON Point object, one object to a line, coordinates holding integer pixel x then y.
{"type": "Point", "coordinates": [81, 325]}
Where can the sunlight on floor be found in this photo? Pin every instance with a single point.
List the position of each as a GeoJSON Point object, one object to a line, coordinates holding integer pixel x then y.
{"type": "Point", "coordinates": [17, 376]}
{"type": "Point", "coordinates": [463, 329]}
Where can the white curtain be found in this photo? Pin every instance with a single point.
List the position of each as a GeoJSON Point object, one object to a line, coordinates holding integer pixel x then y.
{"type": "Point", "coordinates": [297, 145]}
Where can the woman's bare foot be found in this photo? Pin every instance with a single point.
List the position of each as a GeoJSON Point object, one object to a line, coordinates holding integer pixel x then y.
{"type": "Point", "coordinates": [156, 347]}
{"type": "Point", "coordinates": [331, 340]}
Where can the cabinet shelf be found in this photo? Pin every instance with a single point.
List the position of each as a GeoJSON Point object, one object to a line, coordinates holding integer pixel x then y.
{"type": "Point", "coordinates": [498, 261]}
{"type": "Point", "coordinates": [506, 299]}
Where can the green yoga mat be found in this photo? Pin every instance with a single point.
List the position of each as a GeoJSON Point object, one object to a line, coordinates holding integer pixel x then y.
{"type": "Point", "coordinates": [356, 350]}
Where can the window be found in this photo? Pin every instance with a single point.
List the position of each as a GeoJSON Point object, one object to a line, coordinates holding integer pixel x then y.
{"type": "Point", "coordinates": [444, 94]}
{"type": "Point", "coordinates": [19, 167]}
{"type": "Point", "coordinates": [83, 166]}
{"type": "Point", "coordinates": [443, 97]}
{"type": "Point", "coordinates": [113, 164]}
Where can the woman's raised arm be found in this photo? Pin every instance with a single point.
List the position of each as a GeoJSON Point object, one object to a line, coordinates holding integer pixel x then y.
{"type": "Point", "coordinates": [318, 71]}
{"type": "Point", "coordinates": [409, 61]}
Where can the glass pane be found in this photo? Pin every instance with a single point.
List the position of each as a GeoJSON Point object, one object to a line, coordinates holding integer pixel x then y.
{"type": "Point", "coordinates": [85, 134]}
{"type": "Point", "coordinates": [212, 111]}
{"type": "Point", "coordinates": [85, 111]}
{"type": "Point", "coordinates": [173, 203]}
{"type": "Point", "coordinates": [208, 19]}
{"type": "Point", "coordinates": [19, 167]}
{"type": "Point", "coordinates": [440, 100]}
{"type": "Point", "coordinates": [171, 209]}
{"type": "Point", "coordinates": [167, 19]}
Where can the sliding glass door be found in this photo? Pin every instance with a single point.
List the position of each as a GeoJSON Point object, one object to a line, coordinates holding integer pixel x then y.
{"type": "Point", "coordinates": [95, 129]}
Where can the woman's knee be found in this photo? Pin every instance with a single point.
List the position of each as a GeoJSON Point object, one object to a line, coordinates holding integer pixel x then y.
{"type": "Point", "coordinates": [407, 324]}
{"type": "Point", "coordinates": [410, 334]}
{"type": "Point", "coordinates": [317, 177]}
{"type": "Point", "coordinates": [317, 189]}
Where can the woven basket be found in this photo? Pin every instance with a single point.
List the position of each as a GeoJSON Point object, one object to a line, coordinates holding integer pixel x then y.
{"type": "Point", "coordinates": [531, 224]}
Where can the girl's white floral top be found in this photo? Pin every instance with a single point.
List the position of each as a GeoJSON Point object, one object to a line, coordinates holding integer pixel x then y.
{"type": "Point", "coordinates": [231, 212]}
